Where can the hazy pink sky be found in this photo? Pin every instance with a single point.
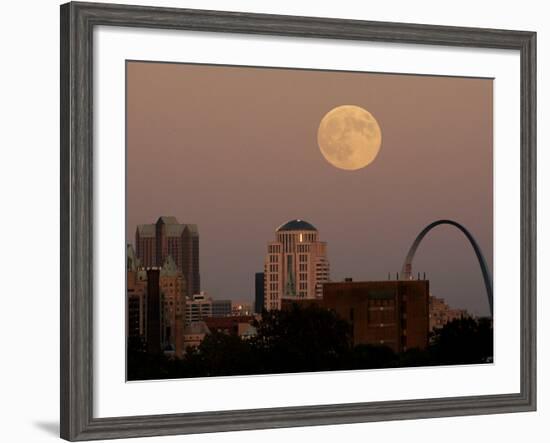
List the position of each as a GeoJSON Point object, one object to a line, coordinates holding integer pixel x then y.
{"type": "Point", "coordinates": [234, 150]}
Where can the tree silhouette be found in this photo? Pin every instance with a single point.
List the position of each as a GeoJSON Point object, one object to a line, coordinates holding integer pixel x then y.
{"type": "Point", "coordinates": [370, 357]}
{"type": "Point", "coordinates": [301, 339]}
{"type": "Point", "coordinates": [310, 339]}
{"type": "Point", "coordinates": [220, 354]}
{"type": "Point", "coordinates": [463, 341]}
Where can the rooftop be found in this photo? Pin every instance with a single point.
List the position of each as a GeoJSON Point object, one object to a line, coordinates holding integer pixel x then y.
{"type": "Point", "coordinates": [196, 327]}
{"type": "Point", "coordinates": [146, 230]}
{"type": "Point", "coordinates": [168, 220]}
{"type": "Point", "coordinates": [296, 225]}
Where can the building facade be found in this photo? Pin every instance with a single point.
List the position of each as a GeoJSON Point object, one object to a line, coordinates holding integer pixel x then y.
{"type": "Point", "coordinates": [221, 308]}
{"type": "Point", "coordinates": [194, 334]}
{"type": "Point", "coordinates": [441, 313]}
{"type": "Point", "coordinates": [259, 292]}
{"type": "Point", "coordinates": [156, 305]}
{"type": "Point", "coordinates": [136, 288]}
{"type": "Point", "coordinates": [390, 313]}
{"type": "Point", "coordinates": [167, 237]}
{"type": "Point", "coordinates": [154, 327]}
{"type": "Point", "coordinates": [241, 308]}
{"type": "Point", "coordinates": [296, 265]}
{"type": "Point", "coordinates": [232, 325]}
{"type": "Point", "coordinates": [198, 307]}
{"type": "Point", "coordinates": [173, 296]}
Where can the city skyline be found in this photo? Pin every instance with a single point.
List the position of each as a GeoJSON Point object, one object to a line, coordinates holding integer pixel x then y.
{"type": "Point", "coordinates": [166, 320]}
{"type": "Point", "coordinates": [293, 238]}
{"type": "Point", "coordinates": [260, 175]}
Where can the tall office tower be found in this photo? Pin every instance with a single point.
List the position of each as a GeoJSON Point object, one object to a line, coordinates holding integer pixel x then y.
{"type": "Point", "coordinates": [155, 242]}
{"type": "Point", "coordinates": [259, 292]}
{"type": "Point", "coordinates": [136, 287]}
{"type": "Point", "coordinates": [296, 265]}
{"type": "Point", "coordinates": [154, 312]}
{"type": "Point", "coordinates": [165, 294]}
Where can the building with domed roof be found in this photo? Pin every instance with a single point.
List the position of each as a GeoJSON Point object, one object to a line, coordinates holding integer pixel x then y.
{"type": "Point", "coordinates": [296, 265]}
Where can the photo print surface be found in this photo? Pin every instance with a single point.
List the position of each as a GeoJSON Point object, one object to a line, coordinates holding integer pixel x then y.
{"type": "Point", "coordinates": [292, 220]}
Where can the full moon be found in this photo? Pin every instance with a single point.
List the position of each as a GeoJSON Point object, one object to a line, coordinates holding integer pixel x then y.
{"type": "Point", "coordinates": [349, 137]}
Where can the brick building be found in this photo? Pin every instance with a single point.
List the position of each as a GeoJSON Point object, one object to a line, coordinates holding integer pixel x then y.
{"type": "Point", "coordinates": [391, 313]}
{"type": "Point", "coordinates": [233, 325]}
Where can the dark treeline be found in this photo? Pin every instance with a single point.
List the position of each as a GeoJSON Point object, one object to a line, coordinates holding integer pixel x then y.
{"type": "Point", "coordinates": [307, 340]}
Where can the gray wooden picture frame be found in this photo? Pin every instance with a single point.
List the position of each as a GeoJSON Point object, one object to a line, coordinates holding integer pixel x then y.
{"type": "Point", "coordinates": [77, 23]}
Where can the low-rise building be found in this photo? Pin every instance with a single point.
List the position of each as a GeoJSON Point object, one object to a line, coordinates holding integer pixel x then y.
{"type": "Point", "coordinates": [221, 308]}
{"type": "Point", "coordinates": [233, 325]}
{"type": "Point", "coordinates": [241, 308]}
{"type": "Point", "coordinates": [441, 313]}
{"type": "Point", "coordinates": [198, 307]}
{"type": "Point", "coordinates": [194, 334]}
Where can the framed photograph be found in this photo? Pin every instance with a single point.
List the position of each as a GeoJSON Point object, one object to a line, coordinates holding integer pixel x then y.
{"type": "Point", "coordinates": [272, 221]}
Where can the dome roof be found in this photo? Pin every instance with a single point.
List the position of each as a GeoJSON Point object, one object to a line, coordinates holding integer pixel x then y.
{"type": "Point", "coordinates": [296, 225]}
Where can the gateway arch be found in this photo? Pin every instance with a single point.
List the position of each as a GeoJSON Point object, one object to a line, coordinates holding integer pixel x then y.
{"type": "Point", "coordinates": [406, 271]}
